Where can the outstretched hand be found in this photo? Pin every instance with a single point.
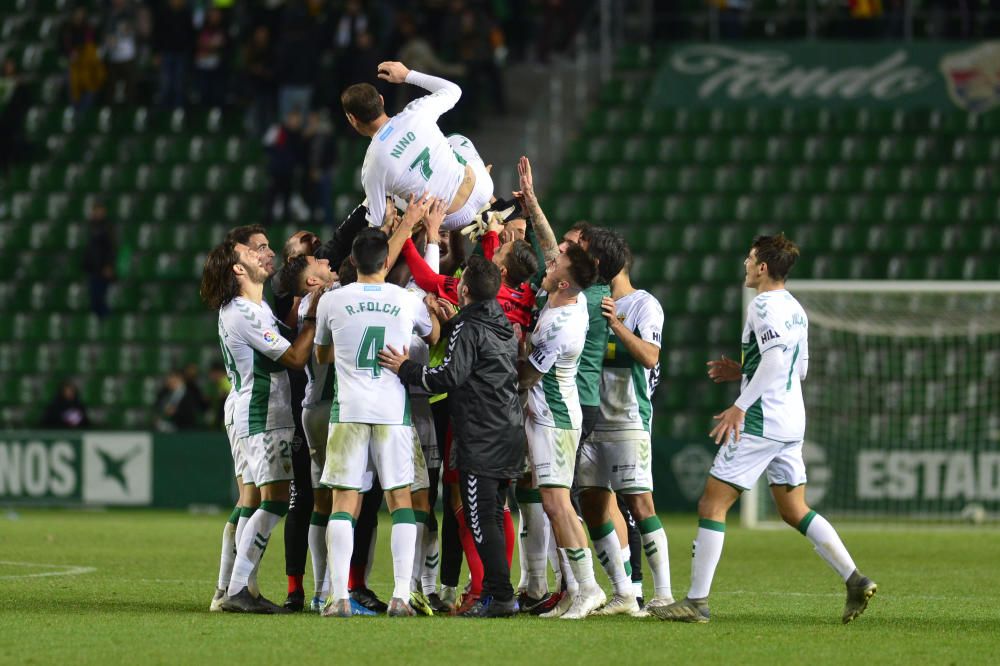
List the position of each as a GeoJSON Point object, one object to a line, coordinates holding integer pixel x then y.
{"type": "Point", "coordinates": [391, 359]}
{"type": "Point", "coordinates": [416, 209]}
{"type": "Point", "coordinates": [392, 71]}
{"type": "Point", "coordinates": [724, 370]}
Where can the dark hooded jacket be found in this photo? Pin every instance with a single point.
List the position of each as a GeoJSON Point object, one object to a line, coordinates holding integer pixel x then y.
{"type": "Point", "coordinates": [479, 373]}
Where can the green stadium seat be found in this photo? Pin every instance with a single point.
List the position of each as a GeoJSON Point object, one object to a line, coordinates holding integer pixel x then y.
{"type": "Point", "coordinates": [746, 148]}
{"type": "Point", "coordinates": [675, 150]}
{"type": "Point", "coordinates": [843, 179]}
{"type": "Point", "coordinates": [856, 149]}
{"type": "Point", "coordinates": [733, 179]}
{"type": "Point", "coordinates": [708, 150]}
{"type": "Point", "coordinates": [804, 178]}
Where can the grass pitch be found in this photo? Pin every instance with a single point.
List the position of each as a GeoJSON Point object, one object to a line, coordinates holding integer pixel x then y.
{"type": "Point", "coordinates": [129, 586]}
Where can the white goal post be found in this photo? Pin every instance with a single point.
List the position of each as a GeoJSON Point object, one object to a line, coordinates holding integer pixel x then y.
{"type": "Point", "coordinates": [902, 401]}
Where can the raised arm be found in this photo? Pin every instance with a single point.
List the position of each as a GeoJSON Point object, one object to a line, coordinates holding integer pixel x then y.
{"type": "Point", "coordinates": [533, 211]}
{"type": "Point", "coordinates": [444, 94]}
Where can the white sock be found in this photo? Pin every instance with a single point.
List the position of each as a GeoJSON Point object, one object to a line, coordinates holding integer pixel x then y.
{"type": "Point", "coordinates": [432, 562]}
{"type": "Point", "coordinates": [418, 557]}
{"type": "Point", "coordinates": [572, 584]}
{"type": "Point", "coordinates": [251, 546]}
{"type": "Point", "coordinates": [339, 546]}
{"type": "Point", "coordinates": [522, 556]}
{"type": "Point", "coordinates": [707, 549]}
{"type": "Point", "coordinates": [827, 543]}
{"type": "Point", "coordinates": [402, 544]}
{"type": "Point", "coordinates": [228, 555]}
{"type": "Point", "coordinates": [654, 543]}
{"type": "Point", "coordinates": [582, 566]}
{"type": "Point", "coordinates": [317, 551]}
{"type": "Point", "coordinates": [534, 548]}
{"type": "Point", "coordinates": [609, 554]}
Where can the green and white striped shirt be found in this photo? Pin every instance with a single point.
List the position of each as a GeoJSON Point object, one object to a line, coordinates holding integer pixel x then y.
{"type": "Point", "coordinates": [557, 343]}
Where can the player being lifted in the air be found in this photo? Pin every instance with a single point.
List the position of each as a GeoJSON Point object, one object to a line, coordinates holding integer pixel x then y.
{"type": "Point", "coordinates": [763, 431]}
{"type": "Point", "coordinates": [409, 155]}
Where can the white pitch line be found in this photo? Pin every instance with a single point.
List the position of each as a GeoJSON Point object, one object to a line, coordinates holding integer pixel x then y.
{"type": "Point", "coordinates": [69, 570]}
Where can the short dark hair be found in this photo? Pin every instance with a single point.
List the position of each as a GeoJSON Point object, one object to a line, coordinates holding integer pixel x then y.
{"type": "Point", "coordinates": [582, 267]}
{"type": "Point", "coordinates": [369, 250]}
{"type": "Point", "coordinates": [520, 262]}
{"type": "Point", "coordinates": [582, 226]}
{"type": "Point", "coordinates": [289, 278]}
{"type": "Point", "coordinates": [778, 252]}
{"type": "Point", "coordinates": [219, 285]}
{"type": "Point", "coordinates": [347, 274]}
{"type": "Point", "coordinates": [482, 278]}
{"type": "Point", "coordinates": [242, 234]}
{"type": "Point", "coordinates": [608, 248]}
{"type": "Point", "coordinates": [363, 102]}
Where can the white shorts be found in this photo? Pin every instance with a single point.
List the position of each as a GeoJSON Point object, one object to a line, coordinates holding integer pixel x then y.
{"type": "Point", "coordinates": [741, 463]}
{"type": "Point", "coordinates": [353, 449]}
{"type": "Point", "coordinates": [423, 420]}
{"type": "Point", "coordinates": [315, 422]}
{"type": "Point", "coordinates": [421, 481]}
{"type": "Point", "coordinates": [240, 469]}
{"type": "Point", "coordinates": [621, 461]}
{"type": "Point", "coordinates": [482, 191]}
{"type": "Point", "coordinates": [269, 455]}
{"type": "Point", "coordinates": [553, 454]}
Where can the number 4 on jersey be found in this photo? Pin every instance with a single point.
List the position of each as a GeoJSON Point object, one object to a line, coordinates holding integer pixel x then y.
{"type": "Point", "coordinates": [372, 342]}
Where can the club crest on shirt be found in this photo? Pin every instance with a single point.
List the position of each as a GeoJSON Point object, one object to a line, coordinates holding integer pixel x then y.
{"type": "Point", "coordinates": [621, 317]}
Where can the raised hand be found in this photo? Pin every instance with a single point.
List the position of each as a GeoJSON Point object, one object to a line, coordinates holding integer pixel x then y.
{"type": "Point", "coordinates": [416, 209]}
{"type": "Point", "coordinates": [392, 71]}
{"type": "Point", "coordinates": [434, 218]}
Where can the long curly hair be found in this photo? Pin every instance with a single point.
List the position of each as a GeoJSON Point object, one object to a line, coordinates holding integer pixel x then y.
{"type": "Point", "coordinates": [219, 285]}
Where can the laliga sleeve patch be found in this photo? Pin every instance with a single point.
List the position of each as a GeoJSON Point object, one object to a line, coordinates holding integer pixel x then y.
{"type": "Point", "coordinates": [271, 338]}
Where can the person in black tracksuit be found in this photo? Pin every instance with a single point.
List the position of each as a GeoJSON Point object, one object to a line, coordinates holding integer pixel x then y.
{"type": "Point", "coordinates": [479, 373]}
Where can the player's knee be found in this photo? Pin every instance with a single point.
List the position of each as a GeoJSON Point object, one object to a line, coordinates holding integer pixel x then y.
{"type": "Point", "coordinates": [552, 504]}
{"type": "Point", "coordinates": [593, 506]}
{"type": "Point", "coordinates": [641, 506]}
{"type": "Point", "coordinates": [794, 514]}
{"type": "Point", "coordinates": [711, 507]}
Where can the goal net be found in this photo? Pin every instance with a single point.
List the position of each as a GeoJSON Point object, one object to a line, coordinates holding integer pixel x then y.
{"type": "Point", "coordinates": [902, 401]}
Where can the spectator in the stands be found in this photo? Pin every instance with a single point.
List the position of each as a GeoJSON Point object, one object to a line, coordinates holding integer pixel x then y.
{"type": "Point", "coordinates": [174, 39]}
{"type": "Point", "coordinates": [65, 410]}
{"type": "Point", "coordinates": [285, 146]}
{"type": "Point", "coordinates": [345, 39]}
{"type": "Point", "coordinates": [218, 391]}
{"type": "Point", "coordinates": [258, 63]}
{"type": "Point", "coordinates": [177, 406]}
{"type": "Point", "coordinates": [418, 54]}
{"type": "Point", "coordinates": [474, 39]}
{"type": "Point", "coordinates": [100, 255]}
{"type": "Point", "coordinates": [321, 157]}
{"type": "Point", "coordinates": [15, 99]}
{"type": "Point", "coordinates": [121, 48]}
{"type": "Point", "coordinates": [297, 58]}
{"type": "Point", "coordinates": [210, 60]}
{"type": "Point", "coordinates": [86, 74]}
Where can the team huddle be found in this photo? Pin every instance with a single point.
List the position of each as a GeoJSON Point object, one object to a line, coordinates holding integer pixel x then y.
{"type": "Point", "coordinates": [448, 335]}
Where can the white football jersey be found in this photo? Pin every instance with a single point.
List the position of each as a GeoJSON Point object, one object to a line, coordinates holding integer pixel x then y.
{"type": "Point", "coordinates": [775, 319]}
{"type": "Point", "coordinates": [409, 154]}
{"type": "Point", "coordinates": [319, 376]}
{"type": "Point", "coordinates": [360, 320]}
{"type": "Point", "coordinates": [251, 345]}
{"type": "Point", "coordinates": [626, 385]}
{"type": "Point", "coordinates": [557, 343]}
